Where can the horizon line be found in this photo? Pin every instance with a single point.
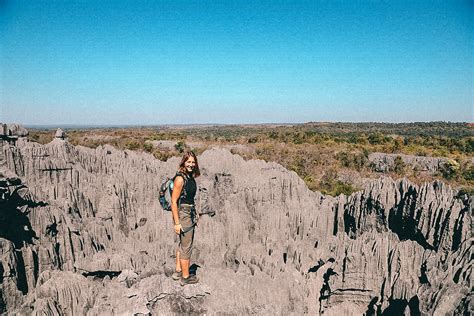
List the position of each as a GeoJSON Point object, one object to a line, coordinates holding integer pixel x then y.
{"type": "Point", "coordinates": [72, 125]}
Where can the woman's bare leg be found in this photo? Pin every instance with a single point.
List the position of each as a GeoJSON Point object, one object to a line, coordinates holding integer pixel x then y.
{"type": "Point", "coordinates": [178, 262]}
{"type": "Point", "coordinates": [185, 267]}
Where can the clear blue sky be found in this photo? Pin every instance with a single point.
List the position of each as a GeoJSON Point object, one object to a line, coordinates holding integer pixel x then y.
{"type": "Point", "coordinates": [168, 62]}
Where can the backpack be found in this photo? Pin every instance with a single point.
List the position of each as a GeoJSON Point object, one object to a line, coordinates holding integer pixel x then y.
{"type": "Point", "coordinates": [167, 186]}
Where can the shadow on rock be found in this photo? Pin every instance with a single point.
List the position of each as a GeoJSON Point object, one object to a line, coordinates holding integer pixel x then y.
{"type": "Point", "coordinates": [193, 268]}
{"type": "Point", "coordinates": [178, 304]}
{"type": "Point", "coordinates": [14, 222]}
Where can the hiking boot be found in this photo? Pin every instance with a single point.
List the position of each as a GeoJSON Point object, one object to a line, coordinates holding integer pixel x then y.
{"type": "Point", "coordinates": [177, 275]}
{"type": "Point", "coordinates": [192, 279]}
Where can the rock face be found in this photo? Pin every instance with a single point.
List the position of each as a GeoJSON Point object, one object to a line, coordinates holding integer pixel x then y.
{"type": "Point", "coordinates": [383, 162]}
{"type": "Point", "coordinates": [81, 231]}
{"type": "Point", "coordinates": [60, 134]}
{"type": "Point", "coordinates": [163, 144]}
{"type": "Point", "coordinates": [13, 130]}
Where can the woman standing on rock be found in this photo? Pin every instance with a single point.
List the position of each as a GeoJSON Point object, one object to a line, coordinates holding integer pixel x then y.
{"type": "Point", "coordinates": [184, 215]}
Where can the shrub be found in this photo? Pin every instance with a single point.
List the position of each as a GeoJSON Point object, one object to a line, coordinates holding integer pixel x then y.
{"type": "Point", "coordinates": [180, 146]}
{"type": "Point", "coordinates": [450, 169]}
{"type": "Point", "coordinates": [298, 139]}
{"type": "Point", "coordinates": [162, 155]}
{"type": "Point", "coordinates": [469, 191]}
{"type": "Point", "coordinates": [397, 145]}
{"type": "Point", "coordinates": [343, 188]}
{"type": "Point", "coordinates": [132, 145]}
{"type": "Point", "coordinates": [354, 160]}
{"type": "Point", "coordinates": [468, 173]}
{"type": "Point", "coordinates": [252, 140]}
{"type": "Point", "coordinates": [469, 148]}
{"type": "Point", "coordinates": [310, 182]}
{"type": "Point", "coordinates": [148, 147]}
{"type": "Point", "coordinates": [273, 135]}
{"type": "Point", "coordinates": [376, 138]}
{"type": "Point", "coordinates": [299, 166]}
{"type": "Point", "coordinates": [399, 165]}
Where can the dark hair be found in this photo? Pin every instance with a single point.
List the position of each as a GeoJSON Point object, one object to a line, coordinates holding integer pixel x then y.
{"type": "Point", "coordinates": [182, 169]}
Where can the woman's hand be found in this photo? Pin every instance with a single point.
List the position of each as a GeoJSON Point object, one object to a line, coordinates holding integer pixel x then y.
{"type": "Point", "coordinates": [178, 229]}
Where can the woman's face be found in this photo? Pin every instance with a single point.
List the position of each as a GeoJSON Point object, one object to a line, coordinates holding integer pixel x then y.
{"type": "Point", "coordinates": [190, 164]}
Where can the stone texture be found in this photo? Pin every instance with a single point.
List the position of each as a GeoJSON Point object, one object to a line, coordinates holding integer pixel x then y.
{"type": "Point", "coordinates": [86, 234]}
{"type": "Point", "coordinates": [13, 130]}
{"type": "Point", "coordinates": [163, 144]}
{"type": "Point", "coordinates": [60, 134]}
{"type": "Point", "coordinates": [383, 162]}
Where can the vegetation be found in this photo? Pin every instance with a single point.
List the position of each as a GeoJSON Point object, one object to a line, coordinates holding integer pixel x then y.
{"type": "Point", "coordinates": [330, 157]}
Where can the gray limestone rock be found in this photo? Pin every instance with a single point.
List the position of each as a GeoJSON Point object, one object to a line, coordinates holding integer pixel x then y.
{"type": "Point", "coordinates": [163, 144]}
{"type": "Point", "coordinates": [383, 162]}
{"type": "Point", "coordinates": [273, 246]}
{"type": "Point", "coordinates": [13, 130]}
{"type": "Point", "coordinates": [60, 134]}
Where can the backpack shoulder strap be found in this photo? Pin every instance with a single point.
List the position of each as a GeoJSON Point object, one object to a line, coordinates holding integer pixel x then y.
{"type": "Point", "coordinates": [164, 185]}
{"type": "Point", "coordinates": [183, 175]}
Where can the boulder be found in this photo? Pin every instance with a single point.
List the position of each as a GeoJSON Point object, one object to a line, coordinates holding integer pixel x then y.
{"type": "Point", "coordinates": [60, 134]}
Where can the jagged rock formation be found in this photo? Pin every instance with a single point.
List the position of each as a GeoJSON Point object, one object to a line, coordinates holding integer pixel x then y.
{"type": "Point", "coordinates": [13, 130]}
{"type": "Point", "coordinates": [60, 134]}
{"type": "Point", "coordinates": [9, 133]}
{"type": "Point", "coordinates": [81, 231]}
{"type": "Point", "coordinates": [382, 162]}
{"type": "Point", "coordinates": [163, 144]}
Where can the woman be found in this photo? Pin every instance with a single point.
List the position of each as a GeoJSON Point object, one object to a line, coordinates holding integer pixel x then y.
{"type": "Point", "coordinates": [184, 215]}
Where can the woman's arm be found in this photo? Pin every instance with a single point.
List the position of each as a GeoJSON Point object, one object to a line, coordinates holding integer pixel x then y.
{"type": "Point", "coordinates": [177, 188]}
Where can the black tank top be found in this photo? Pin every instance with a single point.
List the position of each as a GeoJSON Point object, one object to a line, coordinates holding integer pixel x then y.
{"type": "Point", "coordinates": [190, 189]}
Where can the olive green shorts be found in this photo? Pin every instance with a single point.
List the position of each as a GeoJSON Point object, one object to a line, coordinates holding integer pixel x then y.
{"type": "Point", "coordinates": [187, 214]}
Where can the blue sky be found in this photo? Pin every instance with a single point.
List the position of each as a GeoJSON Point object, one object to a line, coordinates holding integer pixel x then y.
{"type": "Point", "coordinates": [181, 62]}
